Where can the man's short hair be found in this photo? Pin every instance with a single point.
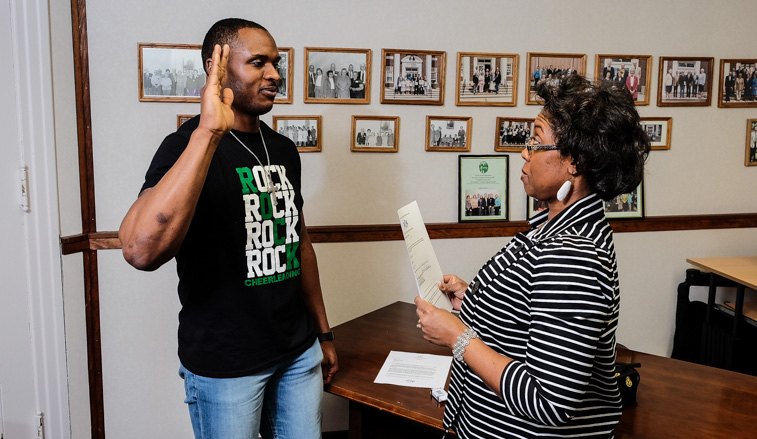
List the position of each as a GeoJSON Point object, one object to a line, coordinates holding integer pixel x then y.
{"type": "Point", "coordinates": [224, 31]}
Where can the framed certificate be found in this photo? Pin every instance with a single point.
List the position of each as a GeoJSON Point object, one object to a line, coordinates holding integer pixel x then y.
{"type": "Point", "coordinates": [483, 189]}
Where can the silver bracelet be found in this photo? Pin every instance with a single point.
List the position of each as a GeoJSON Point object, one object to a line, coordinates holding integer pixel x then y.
{"type": "Point", "coordinates": [463, 340]}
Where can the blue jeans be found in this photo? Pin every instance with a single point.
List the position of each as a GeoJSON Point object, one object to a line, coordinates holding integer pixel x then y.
{"type": "Point", "coordinates": [283, 401]}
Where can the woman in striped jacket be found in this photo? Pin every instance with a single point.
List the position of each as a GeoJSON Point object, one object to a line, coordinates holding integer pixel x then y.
{"type": "Point", "coordinates": [535, 342]}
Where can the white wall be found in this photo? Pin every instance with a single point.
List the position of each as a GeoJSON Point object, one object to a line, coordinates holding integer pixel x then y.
{"type": "Point", "coordinates": [703, 173]}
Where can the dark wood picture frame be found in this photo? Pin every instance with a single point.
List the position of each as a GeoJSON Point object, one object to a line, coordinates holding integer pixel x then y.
{"type": "Point", "coordinates": [727, 86]}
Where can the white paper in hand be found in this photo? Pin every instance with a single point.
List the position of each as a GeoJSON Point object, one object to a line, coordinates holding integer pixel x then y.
{"type": "Point", "coordinates": [428, 273]}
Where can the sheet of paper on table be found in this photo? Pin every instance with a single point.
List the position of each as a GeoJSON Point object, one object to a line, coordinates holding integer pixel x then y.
{"type": "Point", "coordinates": [414, 370]}
{"type": "Point", "coordinates": [428, 273]}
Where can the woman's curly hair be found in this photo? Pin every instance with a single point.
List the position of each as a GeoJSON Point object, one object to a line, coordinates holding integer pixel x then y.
{"type": "Point", "coordinates": [597, 125]}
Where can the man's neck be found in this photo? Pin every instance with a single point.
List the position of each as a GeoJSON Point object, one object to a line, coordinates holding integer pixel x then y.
{"type": "Point", "coordinates": [246, 123]}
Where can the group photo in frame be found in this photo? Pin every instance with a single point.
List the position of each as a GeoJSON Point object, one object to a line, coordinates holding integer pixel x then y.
{"type": "Point", "coordinates": [659, 130]}
{"type": "Point", "coordinates": [738, 83]}
{"type": "Point", "coordinates": [375, 134]}
{"type": "Point", "coordinates": [483, 191]}
{"type": "Point", "coordinates": [542, 66]}
{"type": "Point", "coordinates": [170, 72]}
{"type": "Point", "coordinates": [412, 76]}
{"type": "Point", "coordinates": [448, 133]}
{"type": "Point", "coordinates": [487, 79]}
{"type": "Point", "coordinates": [285, 68]}
{"type": "Point", "coordinates": [632, 71]}
{"type": "Point", "coordinates": [337, 76]}
{"type": "Point", "coordinates": [750, 157]}
{"type": "Point", "coordinates": [626, 206]}
{"type": "Point", "coordinates": [304, 131]}
{"type": "Point", "coordinates": [685, 82]}
{"type": "Point", "coordinates": [512, 133]}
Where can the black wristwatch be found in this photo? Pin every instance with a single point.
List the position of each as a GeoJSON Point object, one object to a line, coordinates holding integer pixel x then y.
{"type": "Point", "coordinates": [326, 336]}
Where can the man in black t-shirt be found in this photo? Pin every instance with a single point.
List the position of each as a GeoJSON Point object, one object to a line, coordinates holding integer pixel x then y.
{"type": "Point", "coordinates": [223, 196]}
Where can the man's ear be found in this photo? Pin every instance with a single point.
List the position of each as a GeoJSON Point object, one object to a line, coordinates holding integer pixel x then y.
{"type": "Point", "coordinates": [208, 64]}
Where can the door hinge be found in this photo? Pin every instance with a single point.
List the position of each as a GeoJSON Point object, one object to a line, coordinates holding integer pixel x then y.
{"type": "Point", "coordinates": [25, 204]}
{"type": "Point", "coordinates": [40, 422]}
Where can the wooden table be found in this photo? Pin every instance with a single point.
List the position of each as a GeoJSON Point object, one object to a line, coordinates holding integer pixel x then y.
{"type": "Point", "coordinates": [728, 349]}
{"type": "Point", "coordinates": [742, 270]}
{"type": "Point", "coordinates": [676, 399]}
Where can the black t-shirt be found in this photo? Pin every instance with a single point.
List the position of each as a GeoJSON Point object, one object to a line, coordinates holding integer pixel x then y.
{"type": "Point", "coordinates": [239, 265]}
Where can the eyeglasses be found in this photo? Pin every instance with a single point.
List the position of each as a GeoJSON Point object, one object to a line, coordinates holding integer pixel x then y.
{"type": "Point", "coordinates": [533, 146]}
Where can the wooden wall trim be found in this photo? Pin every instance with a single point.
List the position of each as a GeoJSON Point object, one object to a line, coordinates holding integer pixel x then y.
{"type": "Point", "coordinates": [88, 216]}
{"type": "Point", "coordinates": [391, 232]}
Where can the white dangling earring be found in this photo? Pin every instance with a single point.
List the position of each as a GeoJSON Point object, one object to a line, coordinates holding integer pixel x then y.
{"type": "Point", "coordinates": [563, 191]}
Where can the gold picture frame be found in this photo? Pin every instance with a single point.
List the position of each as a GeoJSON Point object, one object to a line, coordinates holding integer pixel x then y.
{"type": "Point", "coordinates": [181, 118]}
{"type": "Point", "coordinates": [286, 76]}
{"type": "Point", "coordinates": [375, 134]}
{"type": "Point", "coordinates": [448, 133]}
{"type": "Point", "coordinates": [512, 133]}
{"type": "Point", "coordinates": [557, 62]}
{"type": "Point", "coordinates": [159, 81]}
{"type": "Point", "coordinates": [414, 77]}
{"type": "Point", "coordinates": [471, 90]}
{"type": "Point", "coordinates": [632, 66]}
{"type": "Point", "coordinates": [659, 130]}
{"type": "Point", "coordinates": [673, 91]}
{"type": "Point", "coordinates": [356, 63]}
{"type": "Point", "coordinates": [750, 155]}
{"type": "Point", "coordinates": [304, 131]}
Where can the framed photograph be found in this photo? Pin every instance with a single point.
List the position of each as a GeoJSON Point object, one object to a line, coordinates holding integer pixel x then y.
{"type": "Point", "coordinates": [534, 206]}
{"type": "Point", "coordinates": [412, 77]}
{"type": "Point", "coordinates": [337, 76]}
{"type": "Point", "coordinates": [483, 190]}
{"type": "Point", "coordinates": [512, 134]}
{"type": "Point", "coordinates": [658, 129]}
{"type": "Point", "coordinates": [634, 71]}
{"type": "Point", "coordinates": [627, 206]}
{"type": "Point", "coordinates": [543, 66]}
{"type": "Point", "coordinates": [375, 134]}
{"type": "Point", "coordinates": [750, 157]}
{"type": "Point", "coordinates": [181, 118]}
{"type": "Point", "coordinates": [305, 131]}
{"type": "Point", "coordinates": [286, 73]}
{"type": "Point", "coordinates": [738, 83]}
{"type": "Point", "coordinates": [448, 133]}
{"type": "Point", "coordinates": [487, 79]}
{"type": "Point", "coordinates": [685, 82]}
{"type": "Point", "coordinates": [170, 72]}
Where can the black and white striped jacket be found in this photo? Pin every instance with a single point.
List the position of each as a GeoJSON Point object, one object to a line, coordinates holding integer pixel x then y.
{"type": "Point", "coordinates": [549, 300]}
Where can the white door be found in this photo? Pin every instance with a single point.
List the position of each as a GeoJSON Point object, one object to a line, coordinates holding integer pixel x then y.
{"type": "Point", "coordinates": [17, 395]}
{"type": "Point", "coordinates": [32, 350]}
